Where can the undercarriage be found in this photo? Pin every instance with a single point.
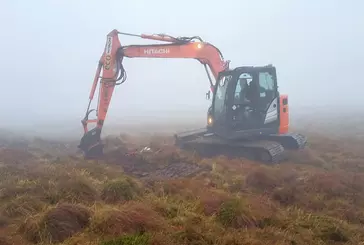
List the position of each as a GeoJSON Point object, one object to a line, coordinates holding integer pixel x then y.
{"type": "Point", "coordinates": [263, 148]}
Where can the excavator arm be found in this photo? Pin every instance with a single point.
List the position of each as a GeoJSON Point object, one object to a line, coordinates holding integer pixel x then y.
{"type": "Point", "coordinates": [113, 74]}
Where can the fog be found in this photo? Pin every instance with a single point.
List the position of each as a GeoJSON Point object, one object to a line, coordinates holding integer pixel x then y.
{"type": "Point", "coordinates": [50, 51]}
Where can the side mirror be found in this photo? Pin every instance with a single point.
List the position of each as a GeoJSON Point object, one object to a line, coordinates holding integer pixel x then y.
{"type": "Point", "coordinates": [208, 95]}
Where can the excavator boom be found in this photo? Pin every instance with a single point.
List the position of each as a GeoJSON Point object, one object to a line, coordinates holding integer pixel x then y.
{"type": "Point", "coordinates": [113, 73]}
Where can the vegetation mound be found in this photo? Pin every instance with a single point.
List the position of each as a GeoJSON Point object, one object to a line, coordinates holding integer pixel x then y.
{"type": "Point", "coordinates": [120, 190]}
{"type": "Point", "coordinates": [57, 224]}
{"type": "Point", "coordinates": [133, 217]}
{"type": "Point", "coordinates": [166, 196]}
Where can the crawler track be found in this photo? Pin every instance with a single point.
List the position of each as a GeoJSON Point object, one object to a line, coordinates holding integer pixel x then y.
{"type": "Point", "coordinates": [261, 150]}
{"type": "Point", "coordinates": [291, 141]}
{"type": "Point", "coordinates": [266, 149]}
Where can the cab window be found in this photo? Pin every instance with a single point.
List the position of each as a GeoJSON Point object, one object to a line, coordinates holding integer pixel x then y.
{"type": "Point", "coordinates": [241, 89]}
{"type": "Point", "coordinates": [266, 85]}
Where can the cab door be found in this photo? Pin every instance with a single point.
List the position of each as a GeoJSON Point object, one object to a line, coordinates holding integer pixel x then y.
{"type": "Point", "coordinates": [254, 105]}
{"type": "Point", "coordinates": [220, 109]}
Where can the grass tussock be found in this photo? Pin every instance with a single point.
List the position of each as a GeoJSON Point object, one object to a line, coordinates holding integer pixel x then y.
{"type": "Point", "coordinates": [57, 224]}
{"type": "Point", "coordinates": [134, 239]}
{"type": "Point", "coordinates": [316, 197]}
{"type": "Point", "coordinates": [22, 206]}
{"type": "Point", "coordinates": [247, 213]}
{"type": "Point", "coordinates": [4, 221]}
{"type": "Point", "coordinates": [322, 228]}
{"type": "Point", "coordinates": [193, 235]}
{"type": "Point", "coordinates": [266, 179]}
{"type": "Point", "coordinates": [184, 188]}
{"type": "Point", "coordinates": [4, 241]}
{"type": "Point", "coordinates": [211, 202]}
{"type": "Point", "coordinates": [74, 190]}
{"type": "Point", "coordinates": [120, 190]}
{"type": "Point", "coordinates": [233, 214]}
{"type": "Point", "coordinates": [166, 209]}
{"type": "Point", "coordinates": [130, 217]}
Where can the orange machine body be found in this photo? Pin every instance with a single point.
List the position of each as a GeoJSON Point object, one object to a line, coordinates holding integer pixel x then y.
{"type": "Point", "coordinates": [283, 114]}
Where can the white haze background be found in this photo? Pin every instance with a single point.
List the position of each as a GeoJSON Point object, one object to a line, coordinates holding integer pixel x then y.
{"type": "Point", "coordinates": [50, 51]}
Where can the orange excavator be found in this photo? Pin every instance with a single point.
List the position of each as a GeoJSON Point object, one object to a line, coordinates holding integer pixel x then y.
{"type": "Point", "coordinates": [247, 118]}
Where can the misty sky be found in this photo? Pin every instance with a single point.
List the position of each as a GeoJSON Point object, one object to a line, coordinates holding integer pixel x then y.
{"type": "Point", "coordinates": [50, 50]}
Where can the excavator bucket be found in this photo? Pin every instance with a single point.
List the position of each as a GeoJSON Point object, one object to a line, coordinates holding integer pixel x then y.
{"type": "Point", "coordinates": [91, 144]}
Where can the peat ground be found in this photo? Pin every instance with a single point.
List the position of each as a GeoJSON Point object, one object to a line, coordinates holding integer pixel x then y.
{"type": "Point", "coordinates": [49, 194]}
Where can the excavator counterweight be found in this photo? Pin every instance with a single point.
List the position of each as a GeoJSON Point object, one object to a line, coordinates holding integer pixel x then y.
{"type": "Point", "coordinates": [248, 116]}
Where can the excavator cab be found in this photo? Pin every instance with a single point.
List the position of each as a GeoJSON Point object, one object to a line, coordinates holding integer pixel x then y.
{"type": "Point", "coordinates": [248, 118]}
{"type": "Point", "coordinates": [245, 103]}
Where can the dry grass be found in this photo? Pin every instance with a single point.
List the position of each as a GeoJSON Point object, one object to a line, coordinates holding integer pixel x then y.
{"type": "Point", "coordinates": [55, 225]}
{"type": "Point", "coordinates": [317, 197]}
{"type": "Point", "coordinates": [120, 190]}
{"type": "Point", "coordinates": [132, 217]}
